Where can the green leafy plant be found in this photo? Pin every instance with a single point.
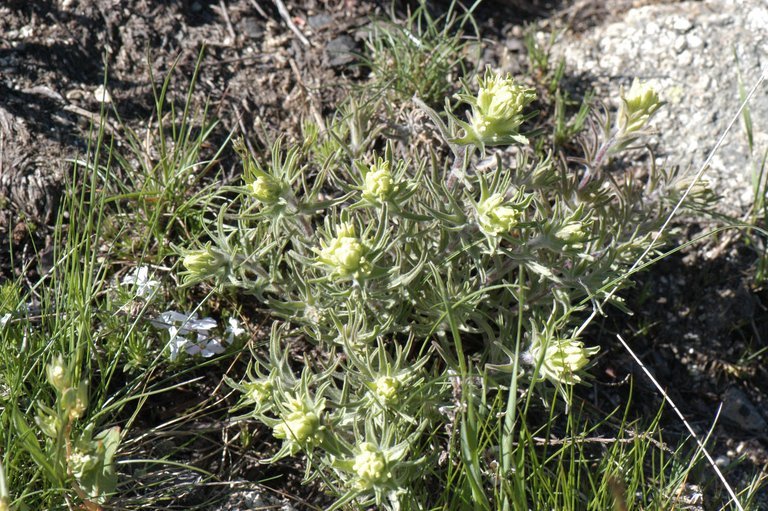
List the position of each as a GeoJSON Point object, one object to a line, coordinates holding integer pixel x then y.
{"type": "Point", "coordinates": [482, 268]}
{"type": "Point", "coordinates": [71, 457]}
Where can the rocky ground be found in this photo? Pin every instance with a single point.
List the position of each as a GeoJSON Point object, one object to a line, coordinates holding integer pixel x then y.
{"type": "Point", "coordinates": [700, 314]}
{"type": "Point", "coordinates": [704, 55]}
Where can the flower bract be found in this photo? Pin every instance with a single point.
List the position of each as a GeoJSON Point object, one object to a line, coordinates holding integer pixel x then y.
{"type": "Point", "coordinates": [494, 217]}
{"type": "Point", "coordinates": [561, 360]}
{"type": "Point", "coordinates": [345, 254]}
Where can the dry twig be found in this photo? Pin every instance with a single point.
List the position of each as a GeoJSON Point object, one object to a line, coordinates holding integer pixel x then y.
{"type": "Point", "coordinates": [283, 10]}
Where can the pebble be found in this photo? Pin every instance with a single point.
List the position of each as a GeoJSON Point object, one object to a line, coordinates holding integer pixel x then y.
{"type": "Point", "coordinates": [722, 462]}
{"type": "Point", "coordinates": [694, 41]}
{"type": "Point", "coordinates": [681, 24]}
{"type": "Point", "coordinates": [320, 21]}
{"type": "Point", "coordinates": [102, 95]}
{"type": "Point", "coordinates": [739, 410]}
{"type": "Point", "coordinates": [339, 51]}
{"type": "Point", "coordinates": [252, 28]}
{"type": "Point", "coordinates": [685, 58]}
{"type": "Point", "coordinates": [680, 43]}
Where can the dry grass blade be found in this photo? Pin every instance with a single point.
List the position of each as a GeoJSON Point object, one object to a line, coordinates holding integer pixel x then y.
{"type": "Point", "coordinates": [700, 443]}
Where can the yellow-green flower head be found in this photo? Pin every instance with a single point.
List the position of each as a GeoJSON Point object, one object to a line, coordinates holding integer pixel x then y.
{"type": "Point", "coordinates": [81, 462]}
{"type": "Point", "coordinates": [5, 504]}
{"type": "Point", "coordinates": [378, 182]}
{"type": "Point", "coordinates": [265, 189]}
{"type": "Point", "coordinates": [494, 217]}
{"type": "Point", "coordinates": [75, 401]}
{"type": "Point", "coordinates": [386, 389]}
{"type": "Point", "coordinates": [573, 232]}
{"type": "Point", "coordinates": [203, 263]}
{"type": "Point", "coordinates": [49, 425]}
{"type": "Point", "coordinates": [300, 427]}
{"type": "Point", "coordinates": [58, 374]}
{"type": "Point", "coordinates": [497, 111]}
{"type": "Point", "coordinates": [562, 360]}
{"type": "Point", "coordinates": [641, 98]}
{"type": "Point", "coordinates": [259, 392]}
{"type": "Point", "coordinates": [370, 467]}
{"type": "Point", "coordinates": [637, 106]}
{"type": "Point", "coordinates": [345, 253]}
{"type": "Point", "coordinates": [500, 99]}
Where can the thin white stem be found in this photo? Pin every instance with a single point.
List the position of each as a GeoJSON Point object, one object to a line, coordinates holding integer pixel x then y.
{"type": "Point", "coordinates": [677, 207]}
{"type": "Point", "coordinates": [685, 423]}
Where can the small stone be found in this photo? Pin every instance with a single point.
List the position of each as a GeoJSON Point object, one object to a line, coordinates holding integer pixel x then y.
{"type": "Point", "coordinates": [320, 21]}
{"type": "Point", "coordinates": [704, 82]}
{"type": "Point", "coordinates": [722, 462]}
{"type": "Point", "coordinates": [739, 410]}
{"type": "Point", "coordinates": [102, 95]}
{"type": "Point", "coordinates": [680, 44]}
{"type": "Point", "coordinates": [685, 58]}
{"type": "Point", "coordinates": [694, 41]}
{"type": "Point", "coordinates": [26, 32]}
{"type": "Point", "coordinates": [252, 28]}
{"type": "Point", "coordinates": [681, 24]}
{"type": "Point", "coordinates": [339, 51]}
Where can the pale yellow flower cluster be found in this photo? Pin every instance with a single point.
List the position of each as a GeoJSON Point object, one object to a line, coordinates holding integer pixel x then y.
{"type": "Point", "coordinates": [637, 106]}
{"type": "Point", "coordinates": [300, 427]}
{"type": "Point", "coordinates": [378, 182]}
{"type": "Point", "coordinates": [497, 111]}
{"type": "Point", "coordinates": [386, 389]}
{"type": "Point", "coordinates": [345, 253]}
{"type": "Point", "coordinates": [265, 189]}
{"type": "Point", "coordinates": [494, 217]}
{"type": "Point", "coordinates": [370, 466]}
{"type": "Point", "coordinates": [561, 360]}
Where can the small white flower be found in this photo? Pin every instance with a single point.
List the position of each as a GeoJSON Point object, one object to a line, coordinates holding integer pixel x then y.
{"type": "Point", "coordinates": [199, 326]}
{"type": "Point", "coordinates": [168, 318]}
{"type": "Point", "coordinates": [234, 330]}
{"type": "Point", "coordinates": [193, 349]}
{"type": "Point", "coordinates": [177, 343]}
{"type": "Point", "coordinates": [179, 325]}
{"type": "Point", "coordinates": [139, 278]}
{"type": "Point", "coordinates": [5, 319]}
{"type": "Point", "coordinates": [187, 323]}
{"type": "Point", "coordinates": [211, 348]}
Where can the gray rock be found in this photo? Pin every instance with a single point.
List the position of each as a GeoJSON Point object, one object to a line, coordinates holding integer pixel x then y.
{"type": "Point", "coordinates": [320, 21]}
{"type": "Point", "coordinates": [739, 411]}
{"type": "Point", "coordinates": [252, 28]}
{"type": "Point", "coordinates": [340, 51]}
{"type": "Point", "coordinates": [695, 53]}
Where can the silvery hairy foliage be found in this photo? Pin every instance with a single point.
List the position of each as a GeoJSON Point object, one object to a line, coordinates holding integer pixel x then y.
{"type": "Point", "coordinates": [401, 254]}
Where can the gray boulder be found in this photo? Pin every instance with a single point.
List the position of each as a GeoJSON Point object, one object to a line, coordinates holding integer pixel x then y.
{"type": "Point", "coordinates": [696, 53]}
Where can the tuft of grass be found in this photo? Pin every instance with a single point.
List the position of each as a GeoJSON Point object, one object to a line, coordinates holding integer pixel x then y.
{"type": "Point", "coordinates": [421, 55]}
